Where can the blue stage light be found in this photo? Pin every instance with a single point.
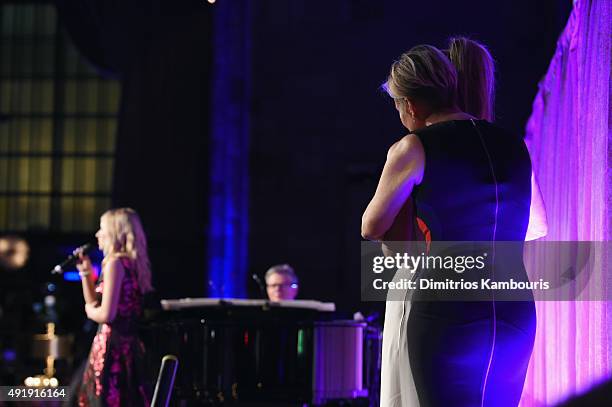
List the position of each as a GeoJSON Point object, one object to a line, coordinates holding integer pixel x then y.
{"type": "Point", "coordinates": [71, 276]}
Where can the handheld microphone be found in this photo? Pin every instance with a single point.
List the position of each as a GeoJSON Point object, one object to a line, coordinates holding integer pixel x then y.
{"type": "Point", "coordinates": [72, 260]}
{"type": "Point", "coordinates": [260, 284]}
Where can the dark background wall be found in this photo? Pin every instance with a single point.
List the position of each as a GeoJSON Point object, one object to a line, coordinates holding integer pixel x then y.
{"type": "Point", "coordinates": [161, 160]}
{"type": "Point", "coordinates": [321, 126]}
{"type": "Point", "coordinates": [161, 51]}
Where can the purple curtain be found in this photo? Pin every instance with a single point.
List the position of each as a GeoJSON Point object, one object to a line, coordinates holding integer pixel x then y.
{"type": "Point", "coordinates": [568, 135]}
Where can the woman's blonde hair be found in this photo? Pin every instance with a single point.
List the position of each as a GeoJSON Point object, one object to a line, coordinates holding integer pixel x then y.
{"type": "Point", "coordinates": [129, 240]}
{"type": "Point", "coordinates": [475, 77]}
{"type": "Point", "coordinates": [425, 74]}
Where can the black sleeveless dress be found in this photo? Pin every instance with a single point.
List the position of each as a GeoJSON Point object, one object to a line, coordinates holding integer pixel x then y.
{"type": "Point", "coordinates": [476, 187]}
{"type": "Point", "coordinates": [115, 374]}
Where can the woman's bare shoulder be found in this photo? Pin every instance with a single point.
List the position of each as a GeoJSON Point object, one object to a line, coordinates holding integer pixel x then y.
{"type": "Point", "coordinates": [408, 146]}
{"type": "Point", "coordinates": [117, 260]}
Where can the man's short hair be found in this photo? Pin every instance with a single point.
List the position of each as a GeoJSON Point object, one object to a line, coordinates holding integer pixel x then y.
{"type": "Point", "coordinates": [283, 269]}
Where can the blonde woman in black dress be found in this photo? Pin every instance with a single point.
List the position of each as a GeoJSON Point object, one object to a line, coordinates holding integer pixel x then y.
{"type": "Point", "coordinates": [445, 177]}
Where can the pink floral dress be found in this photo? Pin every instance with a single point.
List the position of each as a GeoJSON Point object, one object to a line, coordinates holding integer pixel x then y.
{"type": "Point", "coordinates": [115, 375]}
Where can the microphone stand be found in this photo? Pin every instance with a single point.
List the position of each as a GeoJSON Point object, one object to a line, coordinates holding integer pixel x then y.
{"type": "Point", "coordinates": [261, 286]}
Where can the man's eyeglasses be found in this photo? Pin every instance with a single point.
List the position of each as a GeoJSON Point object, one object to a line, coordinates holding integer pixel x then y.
{"type": "Point", "coordinates": [289, 285]}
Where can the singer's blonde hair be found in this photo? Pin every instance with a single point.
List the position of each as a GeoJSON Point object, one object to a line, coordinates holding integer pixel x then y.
{"type": "Point", "coordinates": [128, 240]}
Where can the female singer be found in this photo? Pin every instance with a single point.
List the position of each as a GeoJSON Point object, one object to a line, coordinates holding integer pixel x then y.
{"type": "Point", "coordinates": [445, 178]}
{"type": "Point", "coordinates": [114, 374]}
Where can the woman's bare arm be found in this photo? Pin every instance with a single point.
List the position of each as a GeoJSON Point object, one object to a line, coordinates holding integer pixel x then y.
{"type": "Point", "coordinates": [107, 310]}
{"type": "Point", "coordinates": [403, 169]}
{"type": "Point", "coordinates": [87, 279]}
{"type": "Point", "coordinates": [89, 292]}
